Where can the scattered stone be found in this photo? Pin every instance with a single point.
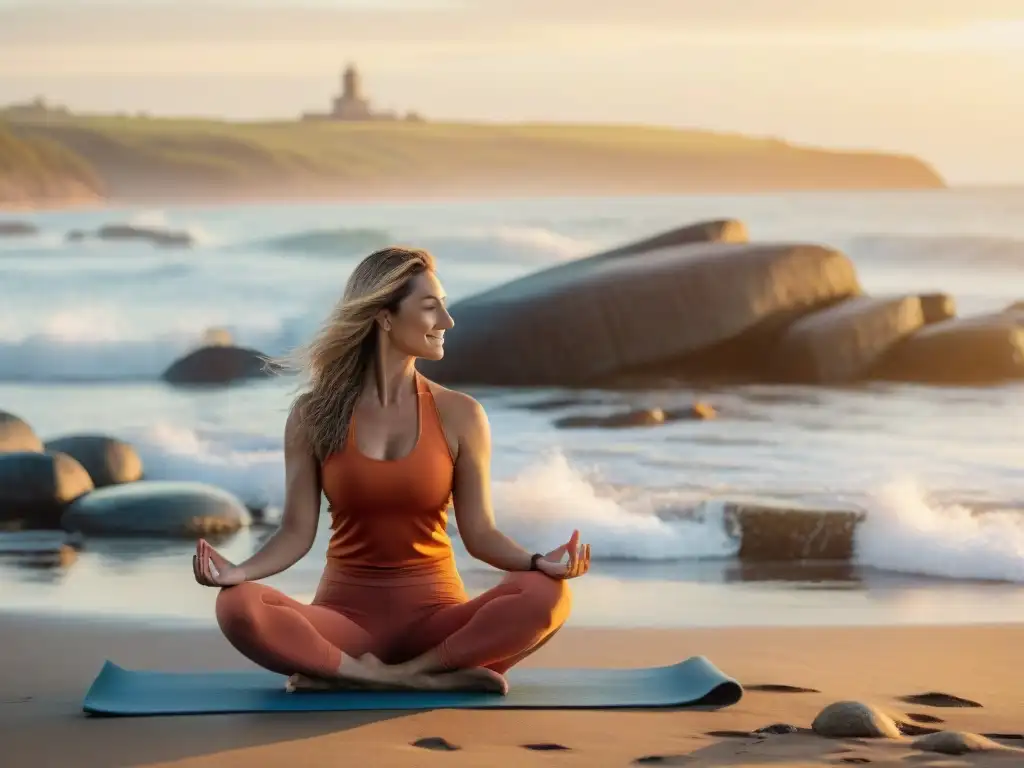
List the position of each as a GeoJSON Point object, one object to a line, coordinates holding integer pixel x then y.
{"type": "Point", "coordinates": [859, 760]}
{"type": "Point", "coordinates": [920, 717]}
{"type": "Point", "coordinates": [604, 317]}
{"type": "Point", "coordinates": [731, 734]}
{"type": "Point", "coordinates": [35, 488]}
{"type": "Point", "coordinates": [777, 729]}
{"type": "Point", "coordinates": [17, 436]}
{"type": "Point", "coordinates": [781, 534]}
{"type": "Point", "coordinates": [18, 229]}
{"type": "Point", "coordinates": [157, 508]}
{"type": "Point", "coordinates": [938, 699]}
{"type": "Point", "coordinates": [436, 743]}
{"type": "Point", "coordinates": [956, 743]}
{"type": "Point", "coordinates": [217, 337]}
{"type": "Point", "coordinates": [108, 461]}
{"type": "Point", "coordinates": [936, 307]}
{"type": "Point", "coordinates": [854, 719]}
{"type": "Point", "coordinates": [545, 747]}
{"type": "Point", "coordinates": [219, 365]}
{"type": "Point", "coordinates": [778, 688]}
{"type": "Point", "coordinates": [663, 760]}
{"type": "Point", "coordinates": [645, 417]}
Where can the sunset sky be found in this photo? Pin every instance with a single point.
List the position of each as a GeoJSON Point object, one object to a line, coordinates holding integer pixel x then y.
{"type": "Point", "coordinates": [943, 79]}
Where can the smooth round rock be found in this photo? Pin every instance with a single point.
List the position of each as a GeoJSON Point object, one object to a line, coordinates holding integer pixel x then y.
{"type": "Point", "coordinates": [855, 720]}
{"type": "Point", "coordinates": [937, 307]}
{"type": "Point", "coordinates": [16, 435]}
{"type": "Point", "coordinates": [18, 229]}
{"type": "Point", "coordinates": [157, 508]}
{"type": "Point", "coordinates": [108, 461]}
{"type": "Point", "coordinates": [35, 488]}
{"type": "Point", "coordinates": [956, 743]}
{"type": "Point", "coordinates": [216, 364]}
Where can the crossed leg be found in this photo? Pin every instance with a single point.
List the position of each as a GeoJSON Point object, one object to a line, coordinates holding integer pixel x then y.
{"type": "Point", "coordinates": [472, 644]}
{"type": "Point", "coordinates": [286, 636]}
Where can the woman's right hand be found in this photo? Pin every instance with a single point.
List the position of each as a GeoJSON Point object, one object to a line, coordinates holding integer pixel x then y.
{"type": "Point", "coordinates": [211, 569]}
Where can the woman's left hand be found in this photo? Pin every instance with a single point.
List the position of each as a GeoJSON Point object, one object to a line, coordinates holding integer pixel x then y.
{"type": "Point", "coordinates": [578, 564]}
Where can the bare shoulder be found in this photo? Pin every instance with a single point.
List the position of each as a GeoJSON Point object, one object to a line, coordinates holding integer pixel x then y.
{"type": "Point", "coordinates": [461, 415]}
{"type": "Point", "coordinates": [295, 432]}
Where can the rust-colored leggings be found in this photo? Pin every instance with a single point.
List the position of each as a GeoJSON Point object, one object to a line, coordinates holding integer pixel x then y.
{"type": "Point", "coordinates": [395, 621]}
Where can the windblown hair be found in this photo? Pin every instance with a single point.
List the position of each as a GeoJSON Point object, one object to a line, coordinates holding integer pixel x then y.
{"type": "Point", "coordinates": [337, 358]}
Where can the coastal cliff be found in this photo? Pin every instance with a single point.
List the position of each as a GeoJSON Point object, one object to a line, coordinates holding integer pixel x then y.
{"type": "Point", "coordinates": [35, 170]}
{"type": "Point", "coordinates": [151, 159]}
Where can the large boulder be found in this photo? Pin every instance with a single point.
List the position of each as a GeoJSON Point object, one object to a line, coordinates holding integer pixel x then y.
{"type": "Point", "coordinates": [108, 461]}
{"type": "Point", "coordinates": [219, 364]}
{"type": "Point", "coordinates": [168, 509]}
{"type": "Point", "coordinates": [608, 317]}
{"type": "Point", "coordinates": [17, 436]}
{"type": "Point", "coordinates": [35, 488]}
{"type": "Point", "coordinates": [844, 342]}
{"type": "Point", "coordinates": [985, 349]}
{"type": "Point", "coordinates": [715, 231]}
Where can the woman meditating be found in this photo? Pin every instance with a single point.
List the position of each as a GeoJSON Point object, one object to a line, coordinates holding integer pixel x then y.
{"type": "Point", "coordinates": [389, 450]}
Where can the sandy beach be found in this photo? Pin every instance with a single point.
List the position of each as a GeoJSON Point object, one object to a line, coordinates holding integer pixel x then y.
{"type": "Point", "coordinates": [49, 663]}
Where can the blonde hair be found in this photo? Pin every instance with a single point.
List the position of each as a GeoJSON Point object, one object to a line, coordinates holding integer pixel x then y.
{"type": "Point", "coordinates": [337, 358]}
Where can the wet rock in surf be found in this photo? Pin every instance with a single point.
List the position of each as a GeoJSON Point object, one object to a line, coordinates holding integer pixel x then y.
{"type": "Point", "coordinates": [18, 229]}
{"type": "Point", "coordinates": [770, 532]}
{"type": "Point", "coordinates": [16, 435]}
{"type": "Point", "coordinates": [600, 318]}
{"type": "Point", "coordinates": [219, 365]}
{"type": "Point", "coordinates": [130, 232]}
{"type": "Point", "coordinates": [855, 720]}
{"type": "Point", "coordinates": [844, 342]}
{"type": "Point", "coordinates": [937, 307]}
{"type": "Point", "coordinates": [645, 417]}
{"type": "Point", "coordinates": [35, 488]}
{"type": "Point", "coordinates": [984, 349]}
{"type": "Point", "coordinates": [108, 461]}
{"type": "Point", "coordinates": [157, 508]}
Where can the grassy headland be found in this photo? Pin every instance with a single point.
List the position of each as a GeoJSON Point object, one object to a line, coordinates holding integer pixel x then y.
{"type": "Point", "coordinates": [141, 158]}
{"type": "Point", "coordinates": [35, 169]}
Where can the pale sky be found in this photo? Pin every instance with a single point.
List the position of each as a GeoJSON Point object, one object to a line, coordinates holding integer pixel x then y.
{"type": "Point", "coordinates": [943, 79]}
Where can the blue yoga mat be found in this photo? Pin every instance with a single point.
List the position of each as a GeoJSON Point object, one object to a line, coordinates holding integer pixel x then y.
{"type": "Point", "coordinates": [695, 681]}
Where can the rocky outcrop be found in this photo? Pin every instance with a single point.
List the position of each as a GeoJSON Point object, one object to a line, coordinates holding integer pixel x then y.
{"type": "Point", "coordinates": [778, 533]}
{"type": "Point", "coordinates": [610, 317]}
{"type": "Point", "coordinates": [978, 350]}
{"type": "Point", "coordinates": [17, 436]}
{"type": "Point", "coordinates": [18, 229]}
{"type": "Point", "coordinates": [219, 364]}
{"type": "Point", "coordinates": [35, 488]}
{"type": "Point", "coordinates": [130, 232]}
{"type": "Point", "coordinates": [843, 343]}
{"type": "Point", "coordinates": [108, 461]}
{"type": "Point", "coordinates": [157, 509]}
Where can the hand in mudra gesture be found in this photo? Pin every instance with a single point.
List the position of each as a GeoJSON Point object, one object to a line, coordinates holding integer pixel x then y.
{"type": "Point", "coordinates": [577, 565]}
{"type": "Point", "coordinates": [212, 569]}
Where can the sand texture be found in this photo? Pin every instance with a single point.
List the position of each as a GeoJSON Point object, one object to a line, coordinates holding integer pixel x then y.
{"type": "Point", "coordinates": [908, 675]}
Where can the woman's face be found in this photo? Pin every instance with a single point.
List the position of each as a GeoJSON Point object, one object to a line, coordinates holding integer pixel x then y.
{"type": "Point", "coordinates": [418, 327]}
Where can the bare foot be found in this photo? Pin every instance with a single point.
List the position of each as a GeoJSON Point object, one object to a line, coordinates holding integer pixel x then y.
{"type": "Point", "coordinates": [369, 671]}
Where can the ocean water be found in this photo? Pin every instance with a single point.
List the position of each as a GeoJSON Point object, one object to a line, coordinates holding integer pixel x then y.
{"type": "Point", "coordinates": [86, 329]}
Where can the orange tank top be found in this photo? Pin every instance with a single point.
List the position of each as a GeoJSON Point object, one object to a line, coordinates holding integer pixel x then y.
{"type": "Point", "coordinates": [392, 514]}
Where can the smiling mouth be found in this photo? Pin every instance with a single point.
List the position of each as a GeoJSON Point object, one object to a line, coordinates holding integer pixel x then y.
{"type": "Point", "coordinates": [439, 339]}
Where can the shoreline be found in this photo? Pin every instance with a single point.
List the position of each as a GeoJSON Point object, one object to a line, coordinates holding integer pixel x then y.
{"type": "Point", "coordinates": [454, 197]}
{"type": "Point", "coordinates": [50, 664]}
